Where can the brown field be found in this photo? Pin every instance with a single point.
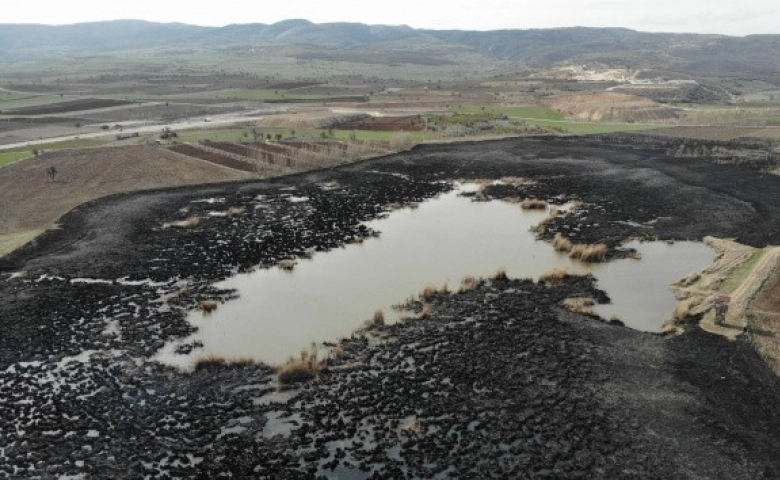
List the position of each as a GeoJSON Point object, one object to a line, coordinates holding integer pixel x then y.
{"type": "Point", "coordinates": [406, 123]}
{"type": "Point", "coordinates": [69, 106]}
{"type": "Point", "coordinates": [611, 107]}
{"type": "Point", "coordinates": [31, 202]}
{"type": "Point", "coordinates": [235, 149]}
{"type": "Point", "coordinates": [213, 157]}
{"type": "Point", "coordinates": [770, 133]}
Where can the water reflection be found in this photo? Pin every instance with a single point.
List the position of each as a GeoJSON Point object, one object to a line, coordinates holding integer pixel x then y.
{"type": "Point", "coordinates": [329, 296]}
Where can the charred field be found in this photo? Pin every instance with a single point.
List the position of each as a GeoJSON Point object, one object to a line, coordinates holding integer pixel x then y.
{"type": "Point", "coordinates": [497, 381]}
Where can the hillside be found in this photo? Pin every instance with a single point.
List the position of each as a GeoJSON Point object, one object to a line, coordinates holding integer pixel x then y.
{"type": "Point", "coordinates": [703, 55]}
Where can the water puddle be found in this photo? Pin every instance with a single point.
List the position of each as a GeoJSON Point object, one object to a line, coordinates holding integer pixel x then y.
{"type": "Point", "coordinates": [327, 297]}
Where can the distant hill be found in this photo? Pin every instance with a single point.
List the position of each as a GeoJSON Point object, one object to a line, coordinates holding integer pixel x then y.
{"type": "Point", "coordinates": [713, 55]}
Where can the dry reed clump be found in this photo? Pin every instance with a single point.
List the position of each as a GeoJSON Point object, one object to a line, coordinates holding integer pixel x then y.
{"type": "Point", "coordinates": [430, 290]}
{"type": "Point", "coordinates": [552, 213]}
{"type": "Point", "coordinates": [425, 313]}
{"type": "Point", "coordinates": [233, 211]}
{"type": "Point", "coordinates": [499, 274]}
{"type": "Point", "coordinates": [190, 222]}
{"type": "Point", "coordinates": [557, 275]}
{"type": "Point", "coordinates": [580, 251]}
{"type": "Point", "coordinates": [377, 320]}
{"type": "Point", "coordinates": [517, 181]}
{"type": "Point", "coordinates": [412, 429]}
{"type": "Point", "coordinates": [581, 305]}
{"type": "Point", "coordinates": [561, 243]}
{"type": "Point", "coordinates": [589, 253]}
{"type": "Point", "coordinates": [685, 308]}
{"type": "Point", "coordinates": [670, 328]}
{"type": "Point", "coordinates": [336, 353]}
{"type": "Point", "coordinates": [687, 280]}
{"type": "Point", "coordinates": [468, 283]}
{"type": "Point", "coordinates": [301, 369]}
{"type": "Point", "coordinates": [208, 306]}
{"type": "Point", "coordinates": [287, 265]}
{"type": "Point", "coordinates": [533, 204]}
{"type": "Point", "coordinates": [212, 360]}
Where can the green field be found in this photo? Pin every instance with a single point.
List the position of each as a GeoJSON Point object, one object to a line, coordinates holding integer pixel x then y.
{"type": "Point", "coordinates": [7, 158]}
{"type": "Point", "coordinates": [736, 277]}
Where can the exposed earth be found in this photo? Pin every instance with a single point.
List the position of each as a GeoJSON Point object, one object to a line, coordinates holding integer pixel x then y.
{"type": "Point", "coordinates": [496, 381]}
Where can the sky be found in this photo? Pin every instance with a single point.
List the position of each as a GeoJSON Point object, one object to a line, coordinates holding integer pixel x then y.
{"type": "Point", "coordinates": [729, 17]}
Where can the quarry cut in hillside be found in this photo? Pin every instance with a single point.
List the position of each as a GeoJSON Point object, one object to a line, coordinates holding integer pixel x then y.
{"type": "Point", "coordinates": [612, 107]}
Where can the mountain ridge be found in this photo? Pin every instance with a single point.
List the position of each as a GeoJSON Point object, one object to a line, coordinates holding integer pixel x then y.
{"type": "Point", "coordinates": [711, 54]}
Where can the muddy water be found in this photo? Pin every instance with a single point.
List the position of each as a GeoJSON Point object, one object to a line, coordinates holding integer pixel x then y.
{"type": "Point", "coordinates": [327, 297]}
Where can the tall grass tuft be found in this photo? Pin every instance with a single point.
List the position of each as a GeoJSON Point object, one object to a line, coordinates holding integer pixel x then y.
{"type": "Point", "coordinates": [302, 369]}
{"type": "Point", "coordinates": [425, 313]}
{"type": "Point", "coordinates": [499, 274]}
{"type": "Point", "coordinates": [561, 243]}
{"type": "Point", "coordinates": [377, 320]}
{"type": "Point", "coordinates": [557, 275]}
{"type": "Point", "coordinates": [211, 360]}
{"type": "Point", "coordinates": [589, 253]}
{"type": "Point", "coordinates": [287, 265]}
{"type": "Point", "coordinates": [208, 306]}
{"type": "Point", "coordinates": [580, 305]}
{"type": "Point", "coordinates": [468, 283]}
{"type": "Point", "coordinates": [533, 204]}
{"type": "Point", "coordinates": [190, 222]}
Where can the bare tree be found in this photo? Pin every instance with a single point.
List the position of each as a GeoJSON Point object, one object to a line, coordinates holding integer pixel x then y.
{"type": "Point", "coordinates": [52, 173]}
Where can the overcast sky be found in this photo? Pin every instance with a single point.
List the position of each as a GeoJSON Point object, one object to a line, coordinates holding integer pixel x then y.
{"type": "Point", "coordinates": [731, 17]}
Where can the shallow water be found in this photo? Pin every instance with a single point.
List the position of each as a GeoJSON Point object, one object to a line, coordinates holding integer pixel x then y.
{"type": "Point", "coordinates": [330, 295]}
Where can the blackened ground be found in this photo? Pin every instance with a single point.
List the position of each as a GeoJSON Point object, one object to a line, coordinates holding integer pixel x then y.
{"type": "Point", "coordinates": [498, 381]}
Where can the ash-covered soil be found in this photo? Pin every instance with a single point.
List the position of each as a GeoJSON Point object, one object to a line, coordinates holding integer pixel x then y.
{"type": "Point", "coordinates": [498, 381]}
